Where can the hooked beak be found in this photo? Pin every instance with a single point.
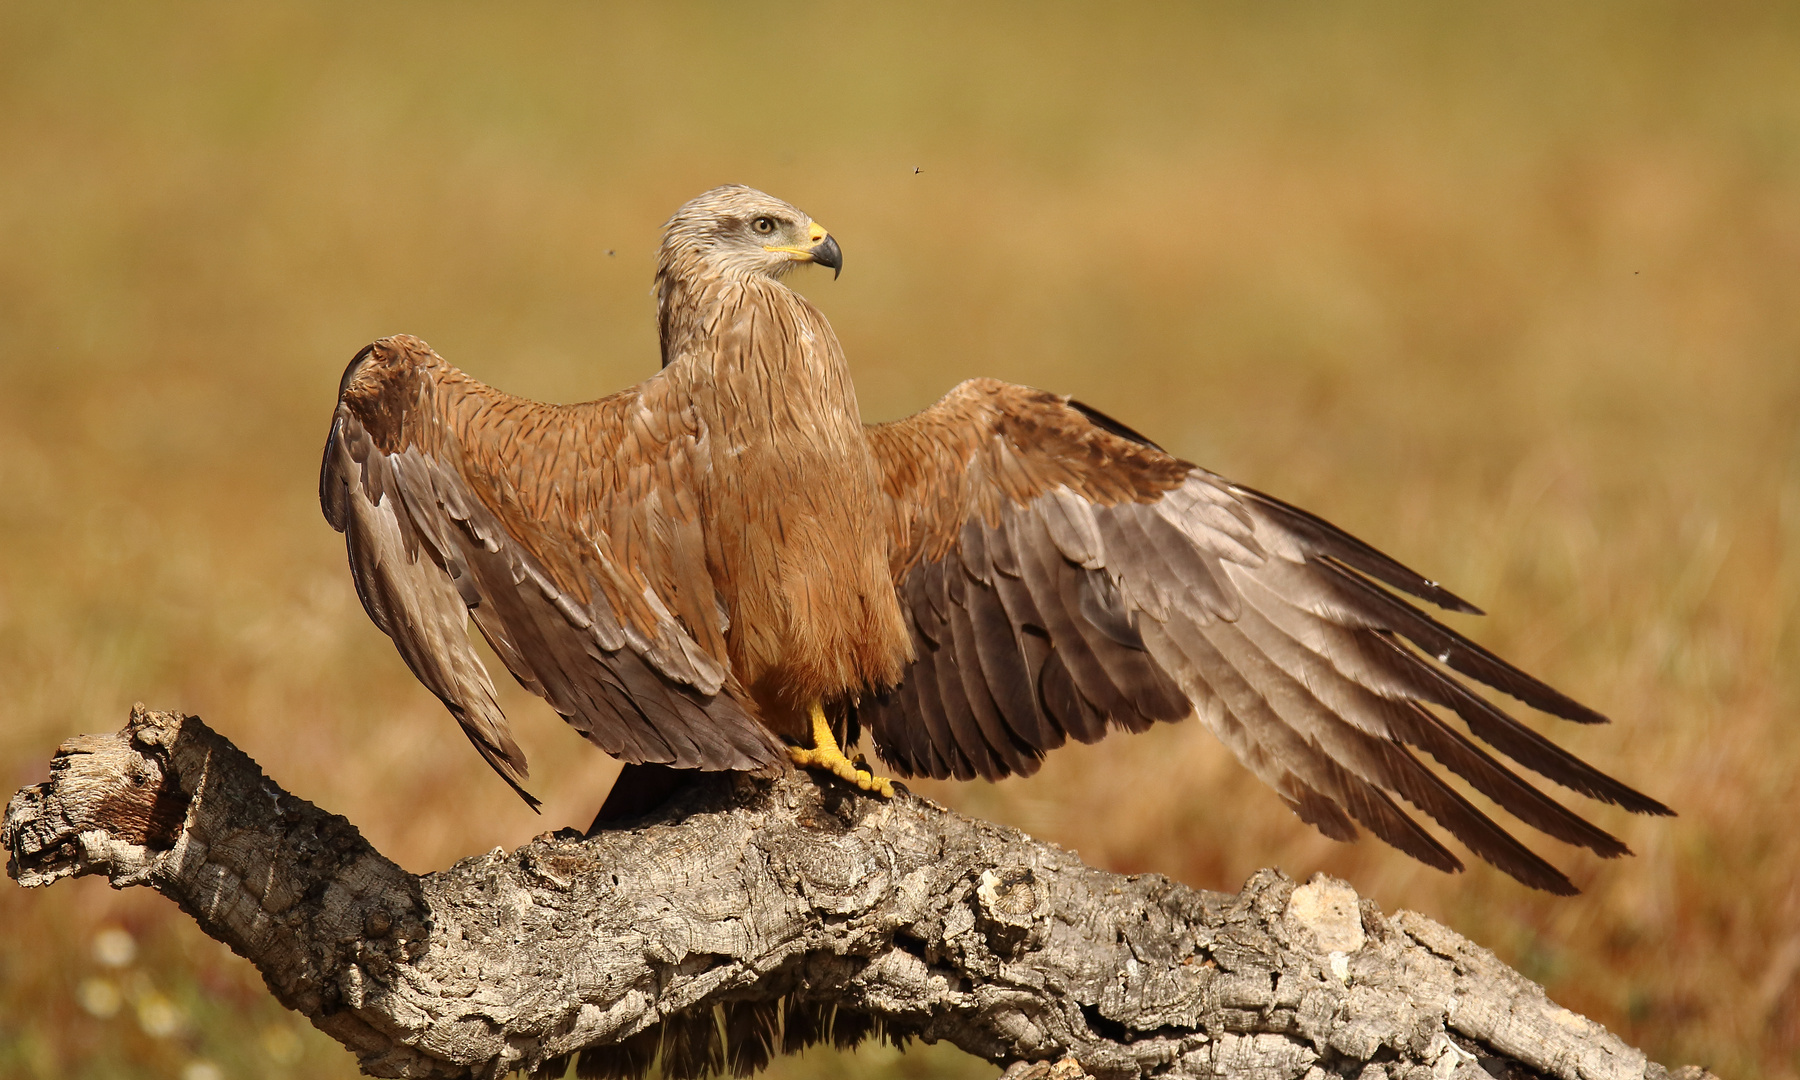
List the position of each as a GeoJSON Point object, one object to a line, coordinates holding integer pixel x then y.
{"type": "Point", "coordinates": [826, 253]}
{"type": "Point", "coordinates": [824, 250]}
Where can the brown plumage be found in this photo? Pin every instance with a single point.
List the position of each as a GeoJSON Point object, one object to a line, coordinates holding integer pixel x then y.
{"type": "Point", "coordinates": [689, 569]}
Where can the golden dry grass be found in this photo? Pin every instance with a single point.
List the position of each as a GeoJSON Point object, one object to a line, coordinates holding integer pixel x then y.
{"type": "Point", "coordinates": [1510, 293]}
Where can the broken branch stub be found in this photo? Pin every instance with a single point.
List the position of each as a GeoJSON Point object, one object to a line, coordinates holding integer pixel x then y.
{"type": "Point", "coordinates": [749, 918]}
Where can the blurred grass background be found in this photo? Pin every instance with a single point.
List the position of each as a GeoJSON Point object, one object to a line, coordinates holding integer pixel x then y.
{"type": "Point", "coordinates": [1511, 291]}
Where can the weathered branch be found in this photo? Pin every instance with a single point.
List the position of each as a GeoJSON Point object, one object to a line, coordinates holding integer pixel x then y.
{"type": "Point", "coordinates": [751, 917]}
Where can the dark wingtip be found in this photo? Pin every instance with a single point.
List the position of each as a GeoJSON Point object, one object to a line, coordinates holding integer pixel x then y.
{"type": "Point", "coordinates": [1558, 885]}
{"type": "Point", "coordinates": [1111, 426]}
{"type": "Point", "coordinates": [537, 807]}
{"type": "Point", "coordinates": [1639, 803]}
{"type": "Point", "coordinates": [1324, 539]}
{"type": "Point", "coordinates": [1574, 712]}
{"type": "Point", "coordinates": [530, 799]}
{"type": "Point", "coordinates": [1449, 601]}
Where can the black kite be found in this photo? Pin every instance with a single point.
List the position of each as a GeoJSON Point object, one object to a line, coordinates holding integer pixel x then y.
{"type": "Point", "coordinates": [716, 567]}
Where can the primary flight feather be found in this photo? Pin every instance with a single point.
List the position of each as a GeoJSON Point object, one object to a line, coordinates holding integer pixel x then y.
{"type": "Point", "coordinates": [724, 568]}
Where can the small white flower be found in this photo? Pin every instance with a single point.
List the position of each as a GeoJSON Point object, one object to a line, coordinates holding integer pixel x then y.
{"type": "Point", "coordinates": [158, 1016]}
{"type": "Point", "coordinates": [114, 947]}
{"type": "Point", "coordinates": [100, 997]}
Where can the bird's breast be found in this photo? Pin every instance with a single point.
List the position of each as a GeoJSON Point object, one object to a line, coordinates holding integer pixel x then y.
{"type": "Point", "coordinates": [797, 536]}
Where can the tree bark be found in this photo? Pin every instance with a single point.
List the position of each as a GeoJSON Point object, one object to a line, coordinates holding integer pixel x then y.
{"type": "Point", "coordinates": [752, 917]}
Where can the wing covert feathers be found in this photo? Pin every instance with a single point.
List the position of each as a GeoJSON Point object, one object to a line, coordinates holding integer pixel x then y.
{"type": "Point", "coordinates": [1062, 576]}
{"type": "Point", "coordinates": [450, 507]}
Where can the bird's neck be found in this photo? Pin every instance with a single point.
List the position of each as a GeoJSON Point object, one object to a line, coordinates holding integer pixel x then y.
{"type": "Point", "coordinates": [729, 320]}
{"type": "Point", "coordinates": [759, 363]}
{"type": "Point", "coordinates": [677, 314]}
{"type": "Point", "coordinates": [689, 297]}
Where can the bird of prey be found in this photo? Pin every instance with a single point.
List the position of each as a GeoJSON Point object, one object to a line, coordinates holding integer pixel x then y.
{"type": "Point", "coordinates": [723, 567]}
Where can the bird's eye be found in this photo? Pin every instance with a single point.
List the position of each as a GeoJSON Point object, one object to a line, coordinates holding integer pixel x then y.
{"type": "Point", "coordinates": [763, 225]}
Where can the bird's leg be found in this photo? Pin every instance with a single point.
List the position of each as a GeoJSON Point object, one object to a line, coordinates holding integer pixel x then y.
{"type": "Point", "coordinates": [824, 754]}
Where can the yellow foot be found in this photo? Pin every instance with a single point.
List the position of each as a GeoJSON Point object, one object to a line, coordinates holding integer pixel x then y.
{"type": "Point", "coordinates": [824, 754]}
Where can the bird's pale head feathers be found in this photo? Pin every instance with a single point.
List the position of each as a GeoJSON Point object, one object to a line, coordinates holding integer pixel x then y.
{"type": "Point", "coordinates": [738, 231]}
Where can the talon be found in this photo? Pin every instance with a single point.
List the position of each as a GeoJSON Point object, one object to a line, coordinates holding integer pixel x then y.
{"type": "Point", "coordinates": [824, 754]}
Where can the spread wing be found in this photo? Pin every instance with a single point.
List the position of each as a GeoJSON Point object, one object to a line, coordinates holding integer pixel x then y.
{"type": "Point", "coordinates": [1063, 576]}
{"type": "Point", "coordinates": [568, 532]}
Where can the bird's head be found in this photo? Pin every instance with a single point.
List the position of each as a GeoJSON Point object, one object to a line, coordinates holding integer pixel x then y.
{"type": "Point", "coordinates": [738, 231]}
